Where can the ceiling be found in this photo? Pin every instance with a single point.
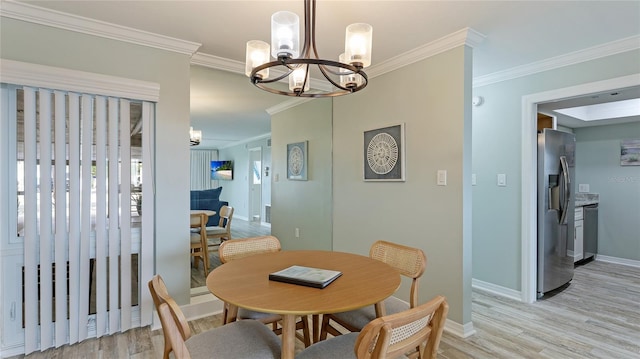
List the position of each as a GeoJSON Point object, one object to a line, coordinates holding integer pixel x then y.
{"type": "Point", "coordinates": [550, 108]}
{"type": "Point", "coordinates": [517, 33]}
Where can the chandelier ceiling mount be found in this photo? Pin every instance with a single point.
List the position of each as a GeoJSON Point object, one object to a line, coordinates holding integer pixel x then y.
{"type": "Point", "coordinates": [346, 75]}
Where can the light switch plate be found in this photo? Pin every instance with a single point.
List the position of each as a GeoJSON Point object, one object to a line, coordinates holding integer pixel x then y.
{"type": "Point", "coordinates": [442, 178]}
{"type": "Point", "coordinates": [502, 180]}
{"type": "Point", "coordinates": [473, 179]}
{"type": "Point", "coordinates": [584, 188]}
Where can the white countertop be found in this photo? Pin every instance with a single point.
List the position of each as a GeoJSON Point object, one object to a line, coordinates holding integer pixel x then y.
{"type": "Point", "coordinates": [585, 199]}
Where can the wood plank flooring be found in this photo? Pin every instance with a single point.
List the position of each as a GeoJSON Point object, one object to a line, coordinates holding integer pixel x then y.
{"type": "Point", "coordinates": [597, 316]}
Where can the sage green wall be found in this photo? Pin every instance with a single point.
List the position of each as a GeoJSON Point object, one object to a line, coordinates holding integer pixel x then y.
{"type": "Point", "coordinates": [598, 164]}
{"type": "Point", "coordinates": [497, 149]}
{"type": "Point", "coordinates": [432, 98]}
{"type": "Point", "coordinates": [236, 192]}
{"type": "Point", "coordinates": [27, 42]}
{"type": "Point", "coordinates": [306, 205]}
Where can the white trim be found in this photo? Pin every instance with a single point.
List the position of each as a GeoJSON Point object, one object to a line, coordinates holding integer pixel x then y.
{"type": "Point", "coordinates": [466, 36]}
{"type": "Point", "coordinates": [611, 48]}
{"type": "Point", "coordinates": [287, 104]}
{"type": "Point", "coordinates": [528, 187]}
{"type": "Point", "coordinates": [496, 289]}
{"type": "Point", "coordinates": [57, 19]}
{"type": "Point", "coordinates": [56, 78]}
{"type": "Point", "coordinates": [255, 138]}
{"type": "Point", "coordinates": [218, 63]}
{"type": "Point", "coordinates": [237, 67]}
{"type": "Point", "coordinates": [460, 330]}
{"type": "Point", "coordinates": [201, 306]}
{"type": "Point", "coordinates": [616, 260]}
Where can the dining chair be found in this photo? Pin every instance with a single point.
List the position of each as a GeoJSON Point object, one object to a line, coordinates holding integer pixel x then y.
{"type": "Point", "coordinates": [221, 232]}
{"type": "Point", "coordinates": [408, 261]}
{"type": "Point", "coordinates": [199, 248]}
{"type": "Point", "coordinates": [240, 248]}
{"type": "Point", "coordinates": [390, 336]}
{"type": "Point", "coordinates": [225, 342]}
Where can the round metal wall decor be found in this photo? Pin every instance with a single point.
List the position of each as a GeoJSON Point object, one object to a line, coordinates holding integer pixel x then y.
{"type": "Point", "coordinates": [382, 153]}
{"type": "Point", "coordinates": [296, 161]}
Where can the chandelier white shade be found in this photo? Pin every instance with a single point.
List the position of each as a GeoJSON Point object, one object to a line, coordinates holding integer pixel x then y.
{"type": "Point", "coordinates": [195, 136]}
{"type": "Point", "coordinates": [346, 75]}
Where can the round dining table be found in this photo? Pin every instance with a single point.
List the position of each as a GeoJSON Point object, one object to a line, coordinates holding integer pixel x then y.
{"type": "Point", "coordinates": [245, 283]}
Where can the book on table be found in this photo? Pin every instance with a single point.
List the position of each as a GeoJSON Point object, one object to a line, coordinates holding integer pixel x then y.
{"type": "Point", "coordinates": [307, 276]}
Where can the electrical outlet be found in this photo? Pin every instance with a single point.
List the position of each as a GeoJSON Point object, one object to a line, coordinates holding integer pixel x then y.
{"type": "Point", "coordinates": [584, 188]}
{"type": "Point", "coordinates": [297, 232]}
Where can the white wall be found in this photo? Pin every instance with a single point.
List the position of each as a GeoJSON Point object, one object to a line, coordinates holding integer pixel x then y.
{"type": "Point", "coordinates": [433, 98]}
{"type": "Point", "coordinates": [497, 148]}
{"type": "Point", "coordinates": [38, 44]}
{"type": "Point", "coordinates": [598, 165]}
{"type": "Point", "coordinates": [236, 192]}
{"type": "Point", "coordinates": [306, 205]}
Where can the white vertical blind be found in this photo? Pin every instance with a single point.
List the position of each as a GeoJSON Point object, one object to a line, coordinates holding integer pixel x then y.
{"type": "Point", "coordinates": [101, 216]}
{"type": "Point", "coordinates": [61, 219]}
{"type": "Point", "coordinates": [148, 205]}
{"type": "Point", "coordinates": [30, 221]}
{"type": "Point", "coordinates": [46, 290]}
{"type": "Point", "coordinates": [83, 178]}
{"type": "Point", "coordinates": [125, 216]}
{"type": "Point", "coordinates": [74, 216]}
{"type": "Point", "coordinates": [85, 213]}
{"type": "Point", "coordinates": [114, 223]}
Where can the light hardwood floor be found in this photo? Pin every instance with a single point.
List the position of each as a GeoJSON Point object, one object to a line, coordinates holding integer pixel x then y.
{"type": "Point", "coordinates": [597, 316]}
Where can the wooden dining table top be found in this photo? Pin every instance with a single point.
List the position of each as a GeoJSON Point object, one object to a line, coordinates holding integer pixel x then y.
{"type": "Point", "coordinates": [245, 283]}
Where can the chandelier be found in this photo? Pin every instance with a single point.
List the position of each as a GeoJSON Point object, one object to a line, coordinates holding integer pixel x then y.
{"type": "Point", "coordinates": [195, 136]}
{"type": "Point", "coordinates": [346, 75]}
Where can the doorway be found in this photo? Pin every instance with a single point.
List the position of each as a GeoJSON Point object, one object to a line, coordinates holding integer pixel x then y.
{"type": "Point", "coordinates": [529, 168]}
{"type": "Point", "coordinates": [255, 185]}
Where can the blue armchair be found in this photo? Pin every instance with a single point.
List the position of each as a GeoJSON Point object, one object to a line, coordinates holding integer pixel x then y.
{"type": "Point", "coordinates": [208, 199]}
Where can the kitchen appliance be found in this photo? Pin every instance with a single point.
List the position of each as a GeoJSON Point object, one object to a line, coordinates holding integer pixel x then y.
{"type": "Point", "coordinates": [556, 164]}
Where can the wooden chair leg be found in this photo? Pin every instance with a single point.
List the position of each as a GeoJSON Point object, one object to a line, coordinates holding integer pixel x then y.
{"type": "Point", "coordinates": [326, 328]}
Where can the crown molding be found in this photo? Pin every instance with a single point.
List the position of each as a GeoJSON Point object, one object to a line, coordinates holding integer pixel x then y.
{"type": "Point", "coordinates": [221, 63]}
{"type": "Point", "coordinates": [466, 36]}
{"type": "Point", "coordinates": [218, 63]}
{"type": "Point", "coordinates": [38, 15]}
{"type": "Point", "coordinates": [57, 78]}
{"type": "Point", "coordinates": [592, 53]}
{"type": "Point", "coordinates": [247, 140]}
{"type": "Point", "coordinates": [285, 105]}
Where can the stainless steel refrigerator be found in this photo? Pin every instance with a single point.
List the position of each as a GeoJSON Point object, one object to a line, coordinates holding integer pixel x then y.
{"type": "Point", "coordinates": [556, 173]}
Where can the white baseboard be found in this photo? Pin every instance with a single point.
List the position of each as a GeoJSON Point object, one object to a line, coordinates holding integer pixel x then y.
{"type": "Point", "coordinates": [460, 330]}
{"type": "Point", "coordinates": [455, 328]}
{"type": "Point", "coordinates": [201, 306]}
{"type": "Point", "coordinates": [12, 350]}
{"type": "Point", "coordinates": [496, 289]}
{"type": "Point", "coordinates": [616, 260]}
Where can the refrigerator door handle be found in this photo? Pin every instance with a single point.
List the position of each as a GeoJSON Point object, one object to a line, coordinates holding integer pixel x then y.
{"type": "Point", "coordinates": [567, 195]}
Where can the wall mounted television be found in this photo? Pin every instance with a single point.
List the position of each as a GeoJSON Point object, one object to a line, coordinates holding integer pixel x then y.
{"type": "Point", "coordinates": [222, 170]}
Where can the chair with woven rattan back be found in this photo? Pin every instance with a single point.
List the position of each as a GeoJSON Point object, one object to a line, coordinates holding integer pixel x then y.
{"type": "Point", "coordinates": [199, 248]}
{"type": "Point", "coordinates": [227, 341]}
{"type": "Point", "coordinates": [241, 248]}
{"type": "Point", "coordinates": [390, 336]}
{"type": "Point", "coordinates": [408, 261]}
{"type": "Point", "coordinates": [222, 232]}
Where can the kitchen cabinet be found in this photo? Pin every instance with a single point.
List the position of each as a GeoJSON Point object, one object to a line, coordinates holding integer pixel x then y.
{"type": "Point", "coordinates": [578, 235]}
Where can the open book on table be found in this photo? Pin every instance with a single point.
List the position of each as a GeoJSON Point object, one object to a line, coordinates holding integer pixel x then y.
{"type": "Point", "coordinates": [311, 277]}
